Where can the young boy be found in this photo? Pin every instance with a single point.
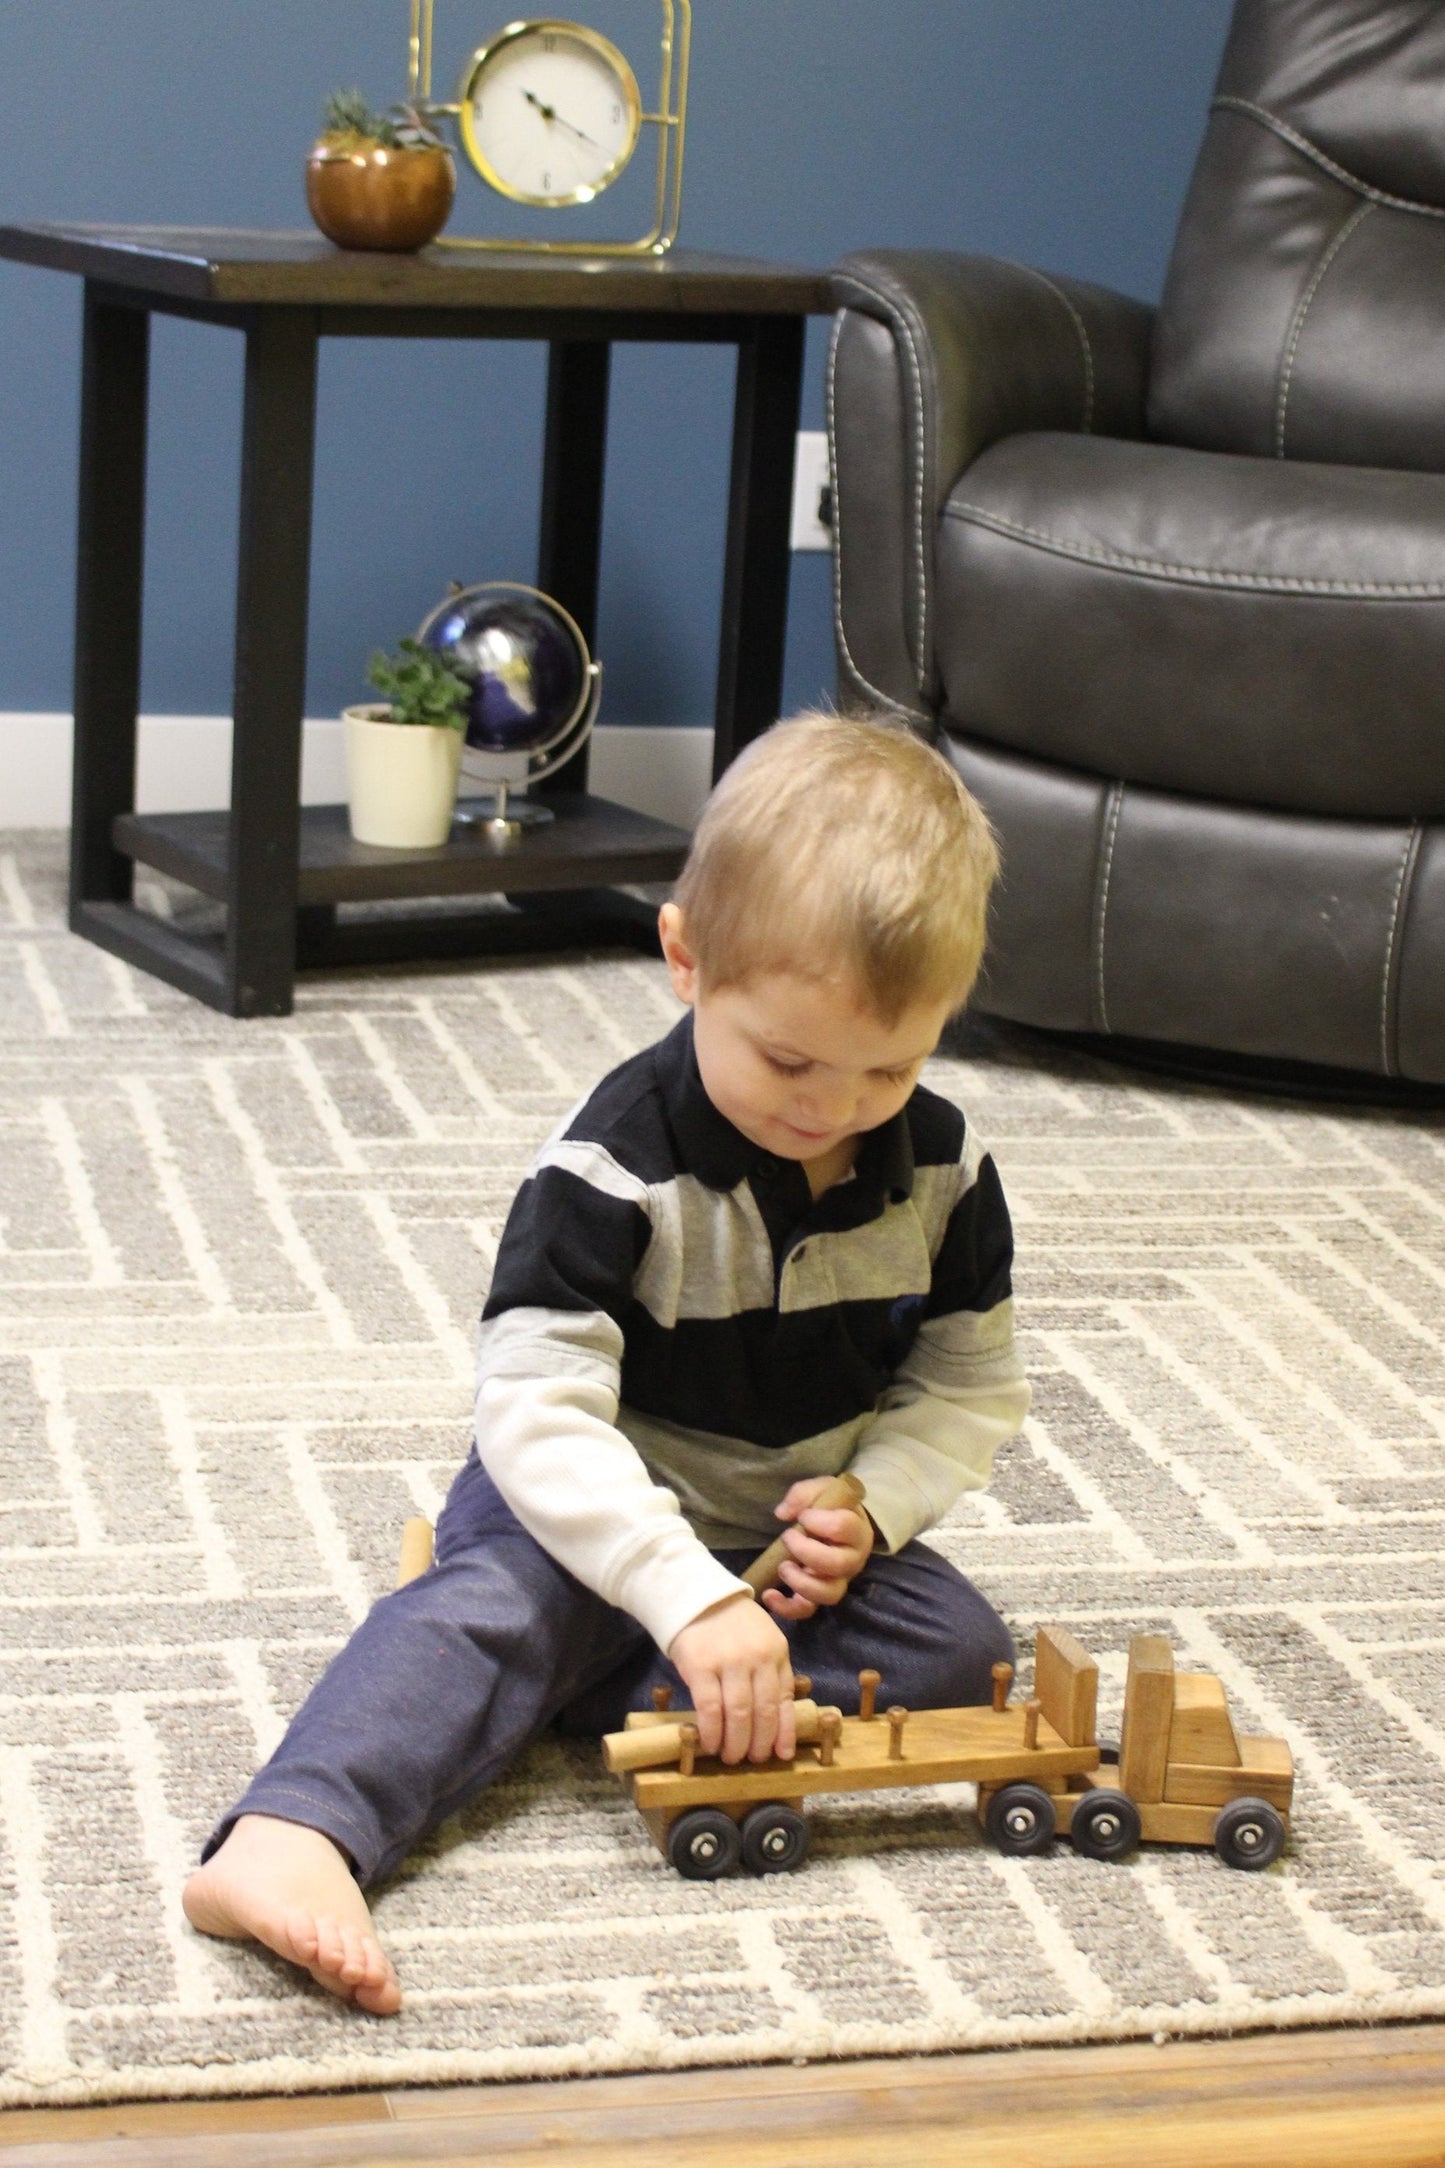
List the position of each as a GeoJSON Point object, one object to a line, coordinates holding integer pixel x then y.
{"type": "Point", "coordinates": [757, 1254]}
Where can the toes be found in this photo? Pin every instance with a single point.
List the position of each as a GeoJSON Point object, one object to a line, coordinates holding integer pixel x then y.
{"type": "Point", "coordinates": [380, 1992]}
{"type": "Point", "coordinates": [354, 1967]}
{"type": "Point", "coordinates": [346, 1960]}
{"type": "Point", "coordinates": [301, 1935]}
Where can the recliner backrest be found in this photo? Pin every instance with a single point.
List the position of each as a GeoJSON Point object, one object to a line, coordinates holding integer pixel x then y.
{"type": "Point", "coordinates": [1303, 315]}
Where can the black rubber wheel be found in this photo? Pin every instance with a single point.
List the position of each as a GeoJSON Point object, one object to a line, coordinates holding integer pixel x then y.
{"type": "Point", "coordinates": [1105, 1825]}
{"type": "Point", "coordinates": [1020, 1820]}
{"type": "Point", "coordinates": [775, 1839]}
{"type": "Point", "coordinates": [704, 1844]}
{"type": "Point", "coordinates": [1249, 1834]}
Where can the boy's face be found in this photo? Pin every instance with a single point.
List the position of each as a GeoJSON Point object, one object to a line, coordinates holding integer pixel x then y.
{"type": "Point", "coordinates": [801, 1066]}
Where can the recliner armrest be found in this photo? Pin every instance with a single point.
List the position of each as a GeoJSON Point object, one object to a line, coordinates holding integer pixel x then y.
{"type": "Point", "coordinates": [936, 356]}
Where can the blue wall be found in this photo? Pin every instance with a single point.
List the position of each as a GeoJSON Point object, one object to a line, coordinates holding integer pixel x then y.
{"type": "Point", "coordinates": [1058, 131]}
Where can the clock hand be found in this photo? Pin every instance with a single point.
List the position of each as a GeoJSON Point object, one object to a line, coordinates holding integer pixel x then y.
{"type": "Point", "coordinates": [549, 112]}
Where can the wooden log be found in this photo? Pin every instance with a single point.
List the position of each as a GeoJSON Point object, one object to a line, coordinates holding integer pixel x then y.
{"type": "Point", "coordinates": [416, 1550]}
{"type": "Point", "coordinates": [842, 1490]}
{"type": "Point", "coordinates": [653, 1746]}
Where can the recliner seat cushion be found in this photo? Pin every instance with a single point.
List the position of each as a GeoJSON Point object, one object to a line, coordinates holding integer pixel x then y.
{"type": "Point", "coordinates": [1126, 910]}
{"type": "Point", "coordinates": [1266, 633]}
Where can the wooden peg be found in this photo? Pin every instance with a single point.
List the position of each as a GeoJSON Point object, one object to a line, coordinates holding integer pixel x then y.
{"type": "Point", "coordinates": [687, 1751]}
{"type": "Point", "coordinates": [1031, 1726]}
{"type": "Point", "coordinates": [416, 1550]}
{"type": "Point", "coordinates": [868, 1685]}
{"type": "Point", "coordinates": [842, 1490]}
{"type": "Point", "coordinates": [802, 1686]}
{"type": "Point", "coordinates": [1003, 1678]}
{"type": "Point", "coordinates": [897, 1718]}
{"type": "Point", "coordinates": [830, 1730]}
{"type": "Point", "coordinates": [662, 1699]}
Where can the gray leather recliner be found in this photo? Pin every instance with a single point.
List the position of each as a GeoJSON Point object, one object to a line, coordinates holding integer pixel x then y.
{"type": "Point", "coordinates": [1171, 585]}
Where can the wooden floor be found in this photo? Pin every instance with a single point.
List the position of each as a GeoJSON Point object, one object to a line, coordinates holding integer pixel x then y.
{"type": "Point", "coordinates": [1357, 2099]}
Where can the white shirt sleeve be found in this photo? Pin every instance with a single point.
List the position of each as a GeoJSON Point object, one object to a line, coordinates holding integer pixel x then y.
{"type": "Point", "coordinates": [547, 1435]}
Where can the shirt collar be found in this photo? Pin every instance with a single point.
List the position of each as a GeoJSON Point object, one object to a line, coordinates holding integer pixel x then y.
{"type": "Point", "coordinates": [718, 1153]}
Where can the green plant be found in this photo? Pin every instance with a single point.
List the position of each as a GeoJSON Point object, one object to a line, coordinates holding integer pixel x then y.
{"type": "Point", "coordinates": [349, 123]}
{"type": "Point", "coordinates": [421, 685]}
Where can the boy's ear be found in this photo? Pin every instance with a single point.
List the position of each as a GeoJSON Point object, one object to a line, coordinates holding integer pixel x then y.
{"type": "Point", "coordinates": [681, 963]}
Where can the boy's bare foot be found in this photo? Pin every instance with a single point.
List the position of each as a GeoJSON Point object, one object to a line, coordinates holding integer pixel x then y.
{"type": "Point", "coordinates": [288, 1886]}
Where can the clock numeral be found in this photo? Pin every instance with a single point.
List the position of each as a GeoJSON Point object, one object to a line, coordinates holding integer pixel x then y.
{"type": "Point", "coordinates": [546, 184]}
{"type": "Point", "coordinates": [549, 42]}
{"type": "Point", "coordinates": [616, 114]}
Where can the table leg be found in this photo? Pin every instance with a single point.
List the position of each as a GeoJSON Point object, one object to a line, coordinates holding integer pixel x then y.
{"type": "Point", "coordinates": [755, 580]}
{"type": "Point", "coordinates": [277, 457]}
{"type": "Point", "coordinates": [573, 464]}
{"type": "Point", "coordinates": [109, 565]}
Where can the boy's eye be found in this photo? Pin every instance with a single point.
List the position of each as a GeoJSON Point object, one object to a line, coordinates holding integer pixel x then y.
{"type": "Point", "coordinates": [786, 1068]}
{"type": "Point", "coordinates": [896, 1076]}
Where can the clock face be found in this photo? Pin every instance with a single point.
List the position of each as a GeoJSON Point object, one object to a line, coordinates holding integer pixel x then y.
{"type": "Point", "coordinates": [550, 113]}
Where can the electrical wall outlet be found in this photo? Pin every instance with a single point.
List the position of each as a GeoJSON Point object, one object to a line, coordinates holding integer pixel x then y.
{"type": "Point", "coordinates": [812, 527]}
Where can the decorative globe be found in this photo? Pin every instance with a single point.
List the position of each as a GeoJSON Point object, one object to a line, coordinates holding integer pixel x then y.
{"type": "Point", "coordinates": [524, 658]}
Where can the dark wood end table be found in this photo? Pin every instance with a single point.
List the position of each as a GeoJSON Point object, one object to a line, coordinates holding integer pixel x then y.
{"type": "Point", "coordinates": [279, 871]}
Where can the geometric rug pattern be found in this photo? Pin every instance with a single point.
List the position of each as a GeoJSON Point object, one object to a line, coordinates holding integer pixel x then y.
{"type": "Point", "coordinates": [240, 1268]}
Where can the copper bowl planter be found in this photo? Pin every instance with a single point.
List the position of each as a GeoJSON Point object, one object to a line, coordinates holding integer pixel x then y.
{"type": "Point", "coordinates": [378, 197]}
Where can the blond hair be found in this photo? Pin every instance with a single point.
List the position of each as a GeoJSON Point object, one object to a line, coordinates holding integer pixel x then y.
{"type": "Point", "coordinates": [841, 848]}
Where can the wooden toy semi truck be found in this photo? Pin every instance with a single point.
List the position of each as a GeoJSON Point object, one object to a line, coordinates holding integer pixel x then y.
{"type": "Point", "coordinates": [1183, 1774]}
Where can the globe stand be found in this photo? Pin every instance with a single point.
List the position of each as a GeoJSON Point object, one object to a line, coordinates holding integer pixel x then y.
{"type": "Point", "coordinates": [506, 820]}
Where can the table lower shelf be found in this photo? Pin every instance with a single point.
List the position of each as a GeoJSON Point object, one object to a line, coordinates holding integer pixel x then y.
{"type": "Point", "coordinates": [590, 844]}
{"type": "Point", "coordinates": [561, 885]}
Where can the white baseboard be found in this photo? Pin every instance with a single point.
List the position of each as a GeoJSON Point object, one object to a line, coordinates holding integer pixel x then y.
{"type": "Point", "coordinates": [184, 762]}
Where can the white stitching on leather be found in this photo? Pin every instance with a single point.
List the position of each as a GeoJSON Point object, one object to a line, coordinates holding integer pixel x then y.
{"type": "Point", "coordinates": [1407, 861]}
{"type": "Point", "coordinates": [900, 322]}
{"type": "Point", "coordinates": [1199, 575]}
{"type": "Point", "coordinates": [864, 684]}
{"type": "Point", "coordinates": [1361, 211]}
{"type": "Point", "coordinates": [1116, 807]}
{"type": "Point", "coordinates": [1321, 158]}
{"type": "Point", "coordinates": [1087, 424]}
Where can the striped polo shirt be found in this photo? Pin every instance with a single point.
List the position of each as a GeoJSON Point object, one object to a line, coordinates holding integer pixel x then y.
{"type": "Point", "coordinates": [677, 1330]}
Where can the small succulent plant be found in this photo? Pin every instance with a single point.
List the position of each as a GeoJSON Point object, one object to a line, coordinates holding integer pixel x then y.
{"type": "Point", "coordinates": [350, 124]}
{"type": "Point", "coordinates": [420, 684]}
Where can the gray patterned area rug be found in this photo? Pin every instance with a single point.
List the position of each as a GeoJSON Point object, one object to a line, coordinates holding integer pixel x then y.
{"type": "Point", "coordinates": [239, 1269]}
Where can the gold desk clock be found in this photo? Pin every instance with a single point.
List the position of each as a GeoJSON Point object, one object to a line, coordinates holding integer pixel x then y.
{"type": "Point", "coordinates": [549, 114]}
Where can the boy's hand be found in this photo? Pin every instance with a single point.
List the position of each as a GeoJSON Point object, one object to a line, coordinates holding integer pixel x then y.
{"type": "Point", "coordinates": [738, 1669]}
{"type": "Point", "coordinates": [828, 1547]}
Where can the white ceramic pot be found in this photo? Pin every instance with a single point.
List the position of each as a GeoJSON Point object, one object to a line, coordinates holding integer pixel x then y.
{"type": "Point", "coordinates": [401, 778]}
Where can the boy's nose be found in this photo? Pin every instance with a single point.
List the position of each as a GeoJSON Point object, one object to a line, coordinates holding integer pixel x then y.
{"type": "Point", "coordinates": [830, 1102]}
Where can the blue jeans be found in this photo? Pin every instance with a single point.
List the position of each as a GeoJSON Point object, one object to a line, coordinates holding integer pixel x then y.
{"type": "Point", "coordinates": [447, 1679]}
